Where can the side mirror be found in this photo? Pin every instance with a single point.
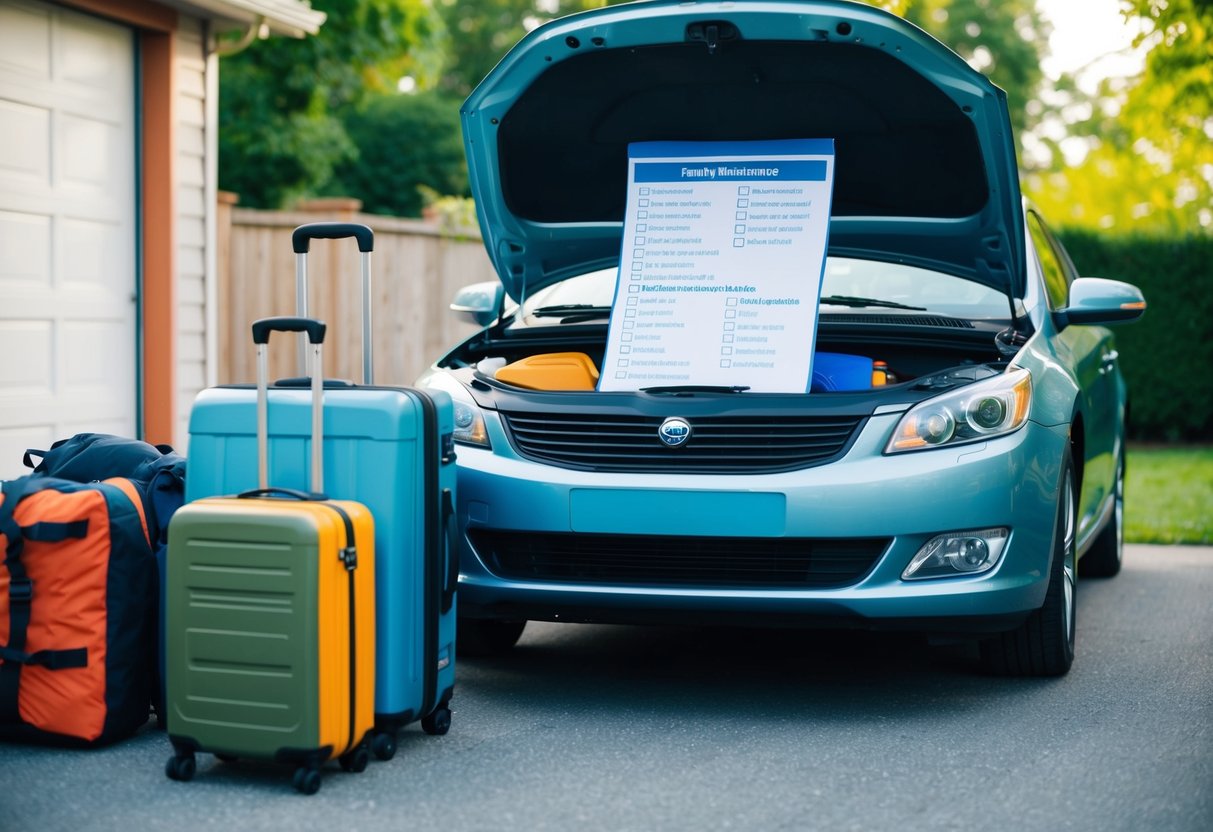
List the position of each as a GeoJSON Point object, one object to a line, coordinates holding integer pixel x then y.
{"type": "Point", "coordinates": [479, 303]}
{"type": "Point", "coordinates": [1096, 300]}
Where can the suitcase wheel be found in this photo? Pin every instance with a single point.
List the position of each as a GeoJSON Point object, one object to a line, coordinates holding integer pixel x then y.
{"type": "Point", "coordinates": [383, 745]}
{"type": "Point", "coordinates": [355, 761]}
{"type": "Point", "coordinates": [437, 722]}
{"type": "Point", "coordinates": [306, 780]}
{"type": "Point", "coordinates": [181, 767]}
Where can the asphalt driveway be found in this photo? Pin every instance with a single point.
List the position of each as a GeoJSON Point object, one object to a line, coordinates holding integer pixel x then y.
{"type": "Point", "coordinates": [628, 728]}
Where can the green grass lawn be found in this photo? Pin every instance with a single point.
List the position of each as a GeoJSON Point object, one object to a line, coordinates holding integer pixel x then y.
{"type": "Point", "coordinates": [1169, 494]}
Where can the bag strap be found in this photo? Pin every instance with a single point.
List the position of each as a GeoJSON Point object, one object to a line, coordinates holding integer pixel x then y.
{"type": "Point", "coordinates": [50, 659]}
{"type": "Point", "coordinates": [21, 595]}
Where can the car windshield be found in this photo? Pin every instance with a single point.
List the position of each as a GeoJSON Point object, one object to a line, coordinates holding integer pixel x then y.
{"type": "Point", "coordinates": [849, 283]}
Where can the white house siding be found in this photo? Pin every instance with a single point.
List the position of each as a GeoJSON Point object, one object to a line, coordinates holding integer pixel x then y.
{"type": "Point", "coordinates": [191, 227]}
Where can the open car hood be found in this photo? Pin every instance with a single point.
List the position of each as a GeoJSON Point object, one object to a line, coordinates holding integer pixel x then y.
{"type": "Point", "coordinates": [925, 163]}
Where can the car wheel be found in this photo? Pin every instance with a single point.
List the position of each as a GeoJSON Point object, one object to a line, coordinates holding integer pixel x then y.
{"type": "Point", "coordinates": [1106, 554]}
{"type": "Point", "coordinates": [483, 637]}
{"type": "Point", "coordinates": [1043, 645]}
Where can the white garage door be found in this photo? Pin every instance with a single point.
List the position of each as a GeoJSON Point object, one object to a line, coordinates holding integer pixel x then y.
{"type": "Point", "coordinates": [68, 294]}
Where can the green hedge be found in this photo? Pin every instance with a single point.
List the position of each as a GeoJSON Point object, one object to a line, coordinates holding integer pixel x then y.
{"type": "Point", "coordinates": [405, 143]}
{"type": "Point", "coordinates": [1167, 356]}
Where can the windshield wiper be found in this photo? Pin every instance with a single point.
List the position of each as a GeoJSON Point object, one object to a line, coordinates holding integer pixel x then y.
{"type": "Point", "coordinates": [691, 389]}
{"type": "Point", "coordinates": [849, 300]}
{"type": "Point", "coordinates": [562, 309]}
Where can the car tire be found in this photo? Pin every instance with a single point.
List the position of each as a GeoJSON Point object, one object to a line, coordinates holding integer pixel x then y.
{"type": "Point", "coordinates": [1106, 554]}
{"type": "Point", "coordinates": [1043, 645]}
{"type": "Point", "coordinates": [485, 637]}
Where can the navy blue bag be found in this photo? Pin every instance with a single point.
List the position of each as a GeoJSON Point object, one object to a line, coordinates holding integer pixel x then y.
{"type": "Point", "coordinates": [91, 457]}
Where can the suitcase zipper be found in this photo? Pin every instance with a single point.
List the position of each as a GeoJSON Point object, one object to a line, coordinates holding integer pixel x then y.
{"type": "Point", "coordinates": [433, 548]}
{"type": "Point", "coordinates": [348, 554]}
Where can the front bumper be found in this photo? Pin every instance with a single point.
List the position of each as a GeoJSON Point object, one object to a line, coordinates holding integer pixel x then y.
{"type": "Point", "coordinates": [1011, 481]}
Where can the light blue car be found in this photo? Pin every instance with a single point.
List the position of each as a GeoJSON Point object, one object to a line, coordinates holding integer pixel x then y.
{"type": "Point", "coordinates": [959, 457]}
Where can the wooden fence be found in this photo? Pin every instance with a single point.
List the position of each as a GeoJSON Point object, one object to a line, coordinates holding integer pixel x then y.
{"type": "Point", "coordinates": [415, 270]}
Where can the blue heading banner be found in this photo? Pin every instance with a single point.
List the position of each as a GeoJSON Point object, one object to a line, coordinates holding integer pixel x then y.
{"type": "Point", "coordinates": [780, 170]}
{"type": "Point", "coordinates": [697, 150]}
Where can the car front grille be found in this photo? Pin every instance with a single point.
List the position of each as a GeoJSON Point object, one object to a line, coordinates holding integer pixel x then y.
{"type": "Point", "coordinates": [718, 444]}
{"type": "Point", "coordinates": [644, 560]}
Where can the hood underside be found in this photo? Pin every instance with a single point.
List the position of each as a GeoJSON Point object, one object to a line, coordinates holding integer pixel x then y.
{"type": "Point", "coordinates": [925, 167]}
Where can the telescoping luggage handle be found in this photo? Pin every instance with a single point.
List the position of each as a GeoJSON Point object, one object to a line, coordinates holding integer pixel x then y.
{"type": "Point", "coordinates": [261, 337]}
{"type": "Point", "coordinates": [301, 241]}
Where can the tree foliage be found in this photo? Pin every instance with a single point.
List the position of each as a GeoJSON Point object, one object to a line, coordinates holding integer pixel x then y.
{"type": "Point", "coordinates": [1148, 164]}
{"type": "Point", "coordinates": [1004, 39]}
{"type": "Point", "coordinates": [407, 145]}
{"type": "Point", "coordinates": [289, 110]}
{"type": "Point", "coordinates": [281, 100]}
{"type": "Point", "coordinates": [482, 31]}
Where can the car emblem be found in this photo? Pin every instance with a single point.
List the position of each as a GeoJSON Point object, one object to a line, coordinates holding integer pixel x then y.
{"type": "Point", "coordinates": [674, 432]}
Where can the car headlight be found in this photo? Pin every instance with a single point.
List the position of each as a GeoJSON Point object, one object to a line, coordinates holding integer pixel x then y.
{"type": "Point", "coordinates": [981, 410]}
{"type": "Point", "coordinates": [957, 553]}
{"type": "Point", "coordinates": [469, 425]}
{"type": "Point", "coordinates": [469, 418]}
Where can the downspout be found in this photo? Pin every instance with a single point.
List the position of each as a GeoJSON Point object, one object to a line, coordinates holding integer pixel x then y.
{"type": "Point", "coordinates": [210, 190]}
{"type": "Point", "coordinates": [215, 49]}
{"type": "Point", "coordinates": [257, 30]}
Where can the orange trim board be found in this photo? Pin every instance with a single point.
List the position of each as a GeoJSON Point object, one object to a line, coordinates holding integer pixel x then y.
{"type": "Point", "coordinates": [159, 239]}
{"type": "Point", "coordinates": [143, 14]}
{"type": "Point", "coordinates": [155, 25]}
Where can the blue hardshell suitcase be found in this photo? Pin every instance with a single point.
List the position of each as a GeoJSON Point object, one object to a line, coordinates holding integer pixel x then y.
{"type": "Point", "coordinates": [389, 448]}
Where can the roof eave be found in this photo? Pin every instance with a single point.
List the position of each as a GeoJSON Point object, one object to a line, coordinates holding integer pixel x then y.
{"type": "Point", "coordinates": [292, 18]}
